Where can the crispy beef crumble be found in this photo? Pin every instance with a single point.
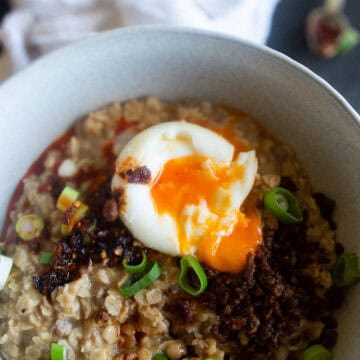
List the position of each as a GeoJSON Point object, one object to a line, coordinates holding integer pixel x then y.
{"type": "Point", "coordinates": [99, 237]}
{"type": "Point", "coordinates": [140, 175]}
{"type": "Point", "coordinates": [327, 208]}
{"type": "Point", "coordinates": [287, 183]}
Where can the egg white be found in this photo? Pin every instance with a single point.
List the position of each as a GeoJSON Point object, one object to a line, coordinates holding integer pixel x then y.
{"type": "Point", "coordinates": [152, 148]}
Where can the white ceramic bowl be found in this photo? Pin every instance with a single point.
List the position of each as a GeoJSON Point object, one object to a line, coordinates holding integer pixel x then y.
{"type": "Point", "coordinates": [38, 104]}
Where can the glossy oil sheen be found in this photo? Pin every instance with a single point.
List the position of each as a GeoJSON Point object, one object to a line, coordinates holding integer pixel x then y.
{"type": "Point", "coordinates": [37, 105]}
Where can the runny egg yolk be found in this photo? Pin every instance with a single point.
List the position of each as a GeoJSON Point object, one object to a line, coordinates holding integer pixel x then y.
{"type": "Point", "coordinates": [226, 237]}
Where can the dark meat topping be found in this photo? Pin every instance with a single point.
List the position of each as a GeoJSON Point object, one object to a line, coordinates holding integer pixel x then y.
{"type": "Point", "coordinates": [98, 238]}
{"type": "Point", "coordinates": [78, 250]}
{"type": "Point", "coordinates": [184, 308]}
{"type": "Point", "coordinates": [65, 265]}
{"type": "Point", "coordinates": [287, 183]}
{"type": "Point", "coordinates": [327, 208]}
{"type": "Point", "coordinates": [135, 257]}
{"type": "Point", "coordinates": [140, 175]}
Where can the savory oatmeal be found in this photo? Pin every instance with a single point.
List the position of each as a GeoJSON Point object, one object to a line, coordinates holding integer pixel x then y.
{"type": "Point", "coordinates": [95, 273]}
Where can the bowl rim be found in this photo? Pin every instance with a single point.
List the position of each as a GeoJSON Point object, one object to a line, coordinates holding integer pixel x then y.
{"type": "Point", "coordinates": [300, 72]}
{"type": "Point", "coordinates": [273, 54]}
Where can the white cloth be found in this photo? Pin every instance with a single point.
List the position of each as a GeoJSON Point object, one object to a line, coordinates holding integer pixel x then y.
{"type": "Point", "coordinates": [36, 27]}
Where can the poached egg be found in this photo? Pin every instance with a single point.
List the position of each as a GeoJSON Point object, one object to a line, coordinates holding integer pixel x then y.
{"type": "Point", "coordinates": [182, 187]}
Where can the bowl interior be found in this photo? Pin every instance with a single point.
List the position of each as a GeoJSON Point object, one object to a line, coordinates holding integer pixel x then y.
{"type": "Point", "coordinates": [38, 104]}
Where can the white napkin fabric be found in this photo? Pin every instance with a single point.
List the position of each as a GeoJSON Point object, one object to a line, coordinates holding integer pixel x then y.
{"type": "Point", "coordinates": [36, 27]}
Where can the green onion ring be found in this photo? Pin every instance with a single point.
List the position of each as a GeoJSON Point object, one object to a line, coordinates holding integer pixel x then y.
{"type": "Point", "coordinates": [284, 205]}
{"type": "Point", "coordinates": [29, 226]}
{"type": "Point", "coordinates": [159, 356]}
{"type": "Point", "coordinates": [187, 262]}
{"type": "Point", "coordinates": [134, 269]}
{"type": "Point", "coordinates": [346, 270]}
{"type": "Point", "coordinates": [58, 352]}
{"type": "Point", "coordinates": [67, 197]}
{"type": "Point", "coordinates": [131, 288]}
{"type": "Point", "coordinates": [46, 257]}
{"type": "Point", "coordinates": [316, 352]}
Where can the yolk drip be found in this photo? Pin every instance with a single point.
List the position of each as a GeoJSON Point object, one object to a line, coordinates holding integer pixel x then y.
{"type": "Point", "coordinates": [225, 238]}
{"type": "Point", "coordinates": [229, 253]}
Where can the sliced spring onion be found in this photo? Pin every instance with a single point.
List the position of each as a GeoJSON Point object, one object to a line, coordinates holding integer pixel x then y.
{"type": "Point", "coordinates": [346, 270]}
{"type": "Point", "coordinates": [283, 204]}
{"type": "Point", "coordinates": [134, 269]}
{"type": "Point", "coordinates": [186, 263]}
{"type": "Point", "coordinates": [160, 356]}
{"type": "Point", "coordinates": [29, 226]}
{"type": "Point", "coordinates": [58, 352]}
{"type": "Point", "coordinates": [316, 352]}
{"type": "Point", "coordinates": [132, 287]}
{"type": "Point", "coordinates": [46, 257]}
{"type": "Point", "coordinates": [5, 269]}
{"type": "Point", "coordinates": [67, 197]}
{"type": "Point", "coordinates": [76, 212]}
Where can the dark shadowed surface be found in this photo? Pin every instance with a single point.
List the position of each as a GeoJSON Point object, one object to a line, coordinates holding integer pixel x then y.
{"type": "Point", "coordinates": [287, 36]}
{"type": "Point", "coordinates": [4, 8]}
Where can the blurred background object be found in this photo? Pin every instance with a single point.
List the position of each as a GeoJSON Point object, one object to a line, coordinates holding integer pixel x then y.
{"type": "Point", "coordinates": [328, 30]}
{"type": "Point", "coordinates": [35, 27]}
{"type": "Point", "coordinates": [288, 36]}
